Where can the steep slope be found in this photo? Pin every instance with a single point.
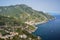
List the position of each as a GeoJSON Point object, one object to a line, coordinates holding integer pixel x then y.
{"type": "Point", "coordinates": [14, 18]}
{"type": "Point", "coordinates": [24, 13]}
{"type": "Point", "coordinates": [10, 25]}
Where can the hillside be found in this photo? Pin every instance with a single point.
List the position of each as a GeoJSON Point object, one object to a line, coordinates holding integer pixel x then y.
{"type": "Point", "coordinates": [24, 13]}
{"type": "Point", "coordinates": [13, 29]}
{"type": "Point", "coordinates": [17, 22]}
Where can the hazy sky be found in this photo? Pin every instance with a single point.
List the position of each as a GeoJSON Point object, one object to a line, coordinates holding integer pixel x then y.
{"type": "Point", "coordinates": [41, 5]}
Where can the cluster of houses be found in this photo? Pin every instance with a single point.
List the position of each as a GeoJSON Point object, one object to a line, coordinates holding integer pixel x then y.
{"type": "Point", "coordinates": [30, 22]}
{"type": "Point", "coordinates": [11, 35]}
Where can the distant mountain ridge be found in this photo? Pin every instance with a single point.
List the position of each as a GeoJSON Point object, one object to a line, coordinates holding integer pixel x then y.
{"type": "Point", "coordinates": [24, 13]}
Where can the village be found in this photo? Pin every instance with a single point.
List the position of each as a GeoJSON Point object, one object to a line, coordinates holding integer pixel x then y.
{"type": "Point", "coordinates": [9, 33]}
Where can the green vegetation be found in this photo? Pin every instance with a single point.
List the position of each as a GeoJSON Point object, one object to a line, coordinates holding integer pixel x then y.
{"type": "Point", "coordinates": [11, 24]}
{"type": "Point", "coordinates": [3, 32]}
{"type": "Point", "coordinates": [31, 27]}
{"type": "Point", "coordinates": [23, 13]}
{"type": "Point", "coordinates": [13, 18]}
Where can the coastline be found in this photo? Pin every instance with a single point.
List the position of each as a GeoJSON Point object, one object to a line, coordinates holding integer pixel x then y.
{"type": "Point", "coordinates": [34, 24]}
{"type": "Point", "coordinates": [40, 22]}
{"type": "Point", "coordinates": [45, 21]}
{"type": "Point", "coordinates": [37, 24]}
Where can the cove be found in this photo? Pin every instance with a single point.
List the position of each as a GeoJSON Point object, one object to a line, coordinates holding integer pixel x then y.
{"type": "Point", "coordinates": [49, 30]}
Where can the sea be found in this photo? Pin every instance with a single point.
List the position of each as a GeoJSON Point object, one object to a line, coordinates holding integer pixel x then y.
{"type": "Point", "coordinates": [49, 30]}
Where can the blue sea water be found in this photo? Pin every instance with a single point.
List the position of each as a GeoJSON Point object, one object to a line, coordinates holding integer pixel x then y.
{"type": "Point", "coordinates": [49, 30]}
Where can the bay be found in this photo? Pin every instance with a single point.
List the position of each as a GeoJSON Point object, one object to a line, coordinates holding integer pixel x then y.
{"type": "Point", "coordinates": [49, 30]}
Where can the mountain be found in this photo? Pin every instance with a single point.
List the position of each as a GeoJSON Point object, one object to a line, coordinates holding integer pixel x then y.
{"type": "Point", "coordinates": [17, 22]}
{"type": "Point", "coordinates": [24, 13]}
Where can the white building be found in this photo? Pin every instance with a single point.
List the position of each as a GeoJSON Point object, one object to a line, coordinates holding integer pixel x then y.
{"type": "Point", "coordinates": [23, 36]}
